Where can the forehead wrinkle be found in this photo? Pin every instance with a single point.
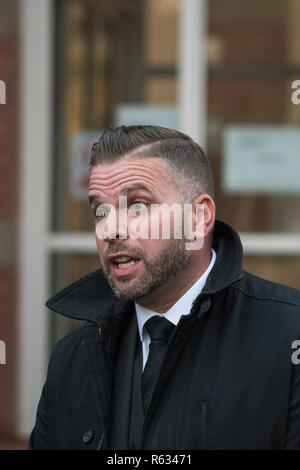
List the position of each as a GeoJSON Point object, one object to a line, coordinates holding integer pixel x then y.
{"type": "Point", "coordinates": [115, 178]}
{"type": "Point", "coordinates": [138, 178]}
{"type": "Point", "coordinates": [136, 164]}
{"type": "Point", "coordinates": [116, 181]}
{"type": "Point", "coordinates": [105, 178]}
{"type": "Point", "coordinates": [120, 185]}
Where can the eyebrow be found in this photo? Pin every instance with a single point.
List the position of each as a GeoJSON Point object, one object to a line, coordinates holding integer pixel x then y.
{"type": "Point", "coordinates": [124, 191]}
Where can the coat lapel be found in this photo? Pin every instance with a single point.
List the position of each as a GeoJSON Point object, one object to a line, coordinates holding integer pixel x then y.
{"type": "Point", "coordinates": [100, 368]}
{"type": "Point", "coordinates": [122, 388]}
{"type": "Point", "coordinates": [101, 353]}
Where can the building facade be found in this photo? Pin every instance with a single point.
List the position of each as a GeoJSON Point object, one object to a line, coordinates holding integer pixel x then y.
{"type": "Point", "coordinates": [222, 71]}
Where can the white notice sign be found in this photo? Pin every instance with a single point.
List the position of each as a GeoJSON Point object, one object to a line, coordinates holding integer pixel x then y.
{"type": "Point", "coordinates": [261, 159]}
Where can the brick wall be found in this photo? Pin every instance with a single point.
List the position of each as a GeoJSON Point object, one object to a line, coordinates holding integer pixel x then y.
{"type": "Point", "coordinates": [8, 212]}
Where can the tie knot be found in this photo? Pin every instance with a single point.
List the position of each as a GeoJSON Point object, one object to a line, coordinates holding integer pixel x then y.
{"type": "Point", "coordinates": [159, 328]}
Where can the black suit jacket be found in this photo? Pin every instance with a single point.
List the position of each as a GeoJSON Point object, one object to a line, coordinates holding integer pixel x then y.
{"type": "Point", "coordinates": [228, 380]}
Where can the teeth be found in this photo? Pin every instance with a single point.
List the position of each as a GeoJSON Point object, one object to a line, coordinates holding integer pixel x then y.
{"type": "Point", "coordinates": [126, 265]}
{"type": "Point", "coordinates": [121, 258]}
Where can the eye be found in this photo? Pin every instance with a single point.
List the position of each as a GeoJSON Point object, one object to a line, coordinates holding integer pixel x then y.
{"type": "Point", "coordinates": [101, 212]}
{"type": "Point", "coordinates": [137, 206]}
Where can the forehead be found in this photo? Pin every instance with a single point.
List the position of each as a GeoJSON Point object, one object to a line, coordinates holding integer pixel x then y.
{"type": "Point", "coordinates": [150, 172]}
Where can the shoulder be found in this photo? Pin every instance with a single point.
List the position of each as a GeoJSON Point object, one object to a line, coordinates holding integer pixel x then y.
{"type": "Point", "coordinates": [265, 290]}
{"type": "Point", "coordinates": [268, 302]}
{"type": "Point", "coordinates": [265, 311]}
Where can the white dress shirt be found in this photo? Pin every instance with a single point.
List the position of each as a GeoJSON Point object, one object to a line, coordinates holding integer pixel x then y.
{"type": "Point", "coordinates": [181, 307]}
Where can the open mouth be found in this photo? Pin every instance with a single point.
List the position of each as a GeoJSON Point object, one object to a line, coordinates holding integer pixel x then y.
{"type": "Point", "coordinates": [124, 265]}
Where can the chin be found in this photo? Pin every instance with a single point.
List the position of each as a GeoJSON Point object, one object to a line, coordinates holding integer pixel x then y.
{"type": "Point", "coordinates": [128, 294]}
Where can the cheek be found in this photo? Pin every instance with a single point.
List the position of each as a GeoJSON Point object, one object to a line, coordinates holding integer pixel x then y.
{"type": "Point", "coordinates": [152, 248]}
{"type": "Point", "coordinates": [100, 246]}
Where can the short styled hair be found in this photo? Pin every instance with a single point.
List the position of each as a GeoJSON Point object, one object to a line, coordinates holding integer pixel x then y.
{"type": "Point", "coordinates": [185, 159]}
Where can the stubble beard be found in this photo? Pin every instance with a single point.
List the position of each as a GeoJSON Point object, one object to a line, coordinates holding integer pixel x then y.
{"type": "Point", "coordinates": [168, 262]}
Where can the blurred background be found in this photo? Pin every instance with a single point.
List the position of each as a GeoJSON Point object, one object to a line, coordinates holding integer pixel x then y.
{"type": "Point", "coordinates": [220, 70]}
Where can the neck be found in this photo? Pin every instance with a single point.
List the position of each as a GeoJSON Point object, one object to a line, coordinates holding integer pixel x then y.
{"type": "Point", "coordinates": [164, 297]}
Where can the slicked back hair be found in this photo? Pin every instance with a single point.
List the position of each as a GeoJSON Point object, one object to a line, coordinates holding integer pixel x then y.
{"type": "Point", "coordinates": [189, 167]}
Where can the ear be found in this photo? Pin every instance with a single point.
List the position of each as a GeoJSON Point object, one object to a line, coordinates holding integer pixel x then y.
{"type": "Point", "coordinates": [204, 219]}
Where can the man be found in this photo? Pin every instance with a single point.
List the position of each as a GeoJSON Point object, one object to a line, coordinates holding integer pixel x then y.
{"type": "Point", "coordinates": [180, 349]}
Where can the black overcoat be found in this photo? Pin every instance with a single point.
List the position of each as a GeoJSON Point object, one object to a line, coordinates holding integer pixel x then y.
{"type": "Point", "coordinates": [230, 379]}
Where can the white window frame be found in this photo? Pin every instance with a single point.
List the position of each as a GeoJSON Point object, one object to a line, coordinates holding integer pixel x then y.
{"type": "Point", "coordinates": [36, 242]}
{"type": "Point", "coordinates": [36, 39]}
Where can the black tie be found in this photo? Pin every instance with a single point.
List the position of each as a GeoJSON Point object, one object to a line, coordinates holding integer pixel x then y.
{"type": "Point", "coordinates": [159, 329]}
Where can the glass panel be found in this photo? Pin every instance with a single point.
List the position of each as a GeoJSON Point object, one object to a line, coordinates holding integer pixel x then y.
{"type": "Point", "coordinates": [108, 54]}
{"type": "Point", "coordinates": [253, 59]}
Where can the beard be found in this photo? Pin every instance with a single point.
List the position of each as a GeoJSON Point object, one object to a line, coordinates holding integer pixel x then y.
{"type": "Point", "coordinates": [164, 266]}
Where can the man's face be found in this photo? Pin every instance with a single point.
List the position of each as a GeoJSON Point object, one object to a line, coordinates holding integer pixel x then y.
{"type": "Point", "coordinates": [135, 267]}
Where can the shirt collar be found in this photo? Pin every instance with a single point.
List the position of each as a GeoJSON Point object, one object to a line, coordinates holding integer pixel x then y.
{"type": "Point", "coordinates": [181, 307]}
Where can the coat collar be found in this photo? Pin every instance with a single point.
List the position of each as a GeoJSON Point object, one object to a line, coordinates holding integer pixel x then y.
{"type": "Point", "coordinates": [91, 298]}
